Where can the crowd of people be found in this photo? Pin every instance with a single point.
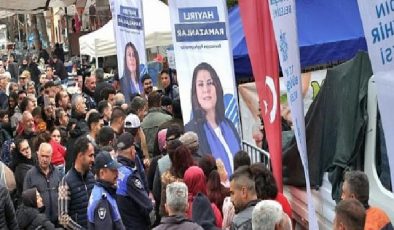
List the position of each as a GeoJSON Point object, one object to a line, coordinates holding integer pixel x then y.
{"type": "Point", "coordinates": [97, 160]}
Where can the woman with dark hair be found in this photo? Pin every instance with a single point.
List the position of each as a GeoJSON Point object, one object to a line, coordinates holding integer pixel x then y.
{"type": "Point", "coordinates": [181, 160]}
{"type": "Point", "coordinates": [216, 191]}
{"type": "Point", "coordinates": [130, 81]}
{"type": "Point", "coordinates": [216, 133]}
{"type": "Point", "coordinates": [30, 214]}
{"type": "Point", "coordinates": [22, 162]}
{"type": "Point", "coordinates": [58, 151]}
{"type": "Point", "coordinates": [266, 188]}
{"type": "Point", "coordinates": [12, 103]}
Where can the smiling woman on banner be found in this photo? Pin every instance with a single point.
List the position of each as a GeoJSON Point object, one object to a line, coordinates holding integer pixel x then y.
{"type": "Point", "coordinates": [217, 134]}
{"type": "Point", "coordinates": [130, 82]}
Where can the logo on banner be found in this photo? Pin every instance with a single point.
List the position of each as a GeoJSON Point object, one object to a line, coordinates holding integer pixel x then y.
{"type": "Point", "coordinates": [284, 47]}
{"type": "Point", "coordinates": [199, 24]}
{"type": "Point", "coordinates": [129, 18]}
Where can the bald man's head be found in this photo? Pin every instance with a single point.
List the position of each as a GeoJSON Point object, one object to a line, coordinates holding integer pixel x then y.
{"type": "Point", "coordinates": [44, 156]}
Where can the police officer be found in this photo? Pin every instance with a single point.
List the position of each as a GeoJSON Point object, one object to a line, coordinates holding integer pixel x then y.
{"type": "Point", "coordinates": [103, 212]}
{"type": "Point", "coordinates": [132, 192]}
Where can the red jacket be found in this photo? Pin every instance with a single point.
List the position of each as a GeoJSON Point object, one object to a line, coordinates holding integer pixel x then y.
{"type": "Point", "coordinates": [58, 153]}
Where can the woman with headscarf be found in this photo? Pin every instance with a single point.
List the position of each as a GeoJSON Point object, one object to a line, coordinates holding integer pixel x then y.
{"type": "Point", "coordinates": [30, 214]}
{"type": "Point", "coordinates": [22, 162]}
{"type": "Point", "coordinates": [194, 178]}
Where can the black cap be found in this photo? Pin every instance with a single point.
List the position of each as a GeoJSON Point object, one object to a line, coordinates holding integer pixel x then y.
{"type": "Point", "coordinates": [125, 141]}
{"type": "Point", "coordinates": [104, 160]}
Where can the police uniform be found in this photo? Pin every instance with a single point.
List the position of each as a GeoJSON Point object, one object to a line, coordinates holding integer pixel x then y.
{"type": "Point", "coordinates": [132, 193]}
{"type": "Point", "coordinates": [103, 212]}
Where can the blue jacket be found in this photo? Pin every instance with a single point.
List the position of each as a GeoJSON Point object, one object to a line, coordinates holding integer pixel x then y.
{"type": "Point", "coordinates": [103, 212]}
{"type": "Point", "coordinates": [132, 194]}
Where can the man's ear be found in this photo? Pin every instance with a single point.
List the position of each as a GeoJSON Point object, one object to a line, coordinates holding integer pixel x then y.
{"type": "Point", "coordinates": [353, 196]}
{"type": "Point", "coordinates": [166, 208]}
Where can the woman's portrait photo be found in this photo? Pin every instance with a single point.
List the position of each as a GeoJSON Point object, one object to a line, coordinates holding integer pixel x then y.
{"type": "Point", "coordinates": [130, 81]}
{"type": "Point", "coordinates": [217, 134]}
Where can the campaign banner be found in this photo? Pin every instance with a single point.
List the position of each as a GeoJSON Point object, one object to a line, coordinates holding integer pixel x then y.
{"type": "Point", "coordinates": [206, 76]}
{"type": "Point", "coordinates": [127, 17]}
{"type": "Point", "coordinates": [378, 23]}
{"type": "Point", "coordinates": [283, 15]}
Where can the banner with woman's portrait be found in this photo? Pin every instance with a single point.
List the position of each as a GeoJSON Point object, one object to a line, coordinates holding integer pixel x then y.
{"type": "Point", "coordinates": [127, 17]}
{"type": "Point", "coordinates": [206, 76]}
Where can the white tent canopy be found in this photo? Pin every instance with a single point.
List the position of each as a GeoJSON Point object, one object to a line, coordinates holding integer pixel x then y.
{"type": "Point", "coordinates": [101, 42]}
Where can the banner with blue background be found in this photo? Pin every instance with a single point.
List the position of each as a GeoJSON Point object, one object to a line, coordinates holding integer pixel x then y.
{"type": "Point", "coordinates": [283, 15]}
{"type": "Point", "coordinates": [206, 76]}
{"type": "Point", "coordinates": [127, 17]}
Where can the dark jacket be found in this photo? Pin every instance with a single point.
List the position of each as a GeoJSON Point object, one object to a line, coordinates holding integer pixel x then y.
{"type": "Point", "coordinates": [7, 211]}
{"type": "Point", "coordinates": [99, 88]}
{"type": "Point", "coordinates": [35, 73]}
{"type": "Point", "coordinates": [243, 220]}
{"type": "Point", "coordinates": [89, 99]}
{"type": "Point", "coordinates": [47, 186]}
{"type": "Point", "coordinates": [44, 54]}
{"type": "Point", "coordinates": [28, 215]}
{"type": "Point", "coordinates": [132, 195]}
{"type": "Point", "coordinates": [177, 222]}
{"type": "Point", "coordinates": [202, 212]}
{"type": "Point", "coordinates": [13, 69]}
{"type": "Point", "coordinates": [125, 83]}
{"type": "Point", "coordinates": [21, 170]}
{"type": "Point", "coordinates": [31, 218]}
{"type": "Point", "coordinates": [80, 188]}
{"type": "Point", "coordinates": [198, 128]}
{"type": "Point", "coordinates": [81, 128]}
{"type": "Point", "coordinates": [60, 70]}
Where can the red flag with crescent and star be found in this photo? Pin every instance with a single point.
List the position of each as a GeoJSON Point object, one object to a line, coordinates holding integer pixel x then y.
{"type": "Point", "coordinates": [263, 55]}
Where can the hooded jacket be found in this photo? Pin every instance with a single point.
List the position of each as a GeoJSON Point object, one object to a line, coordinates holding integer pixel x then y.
{"type": "Point", "coordinates": [29, 217]}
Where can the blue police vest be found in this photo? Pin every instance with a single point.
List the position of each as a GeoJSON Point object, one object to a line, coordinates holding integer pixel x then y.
{"type": "Point", "coordinates": [99, 193]}
{"type": "Point", "coordinates": [124, 173]}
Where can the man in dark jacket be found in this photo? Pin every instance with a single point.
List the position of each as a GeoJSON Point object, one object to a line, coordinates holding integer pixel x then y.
{"type": "Point", "coordinates": [152, 121]}
{"type": "Point", "coordinates": [100, 85]}
{"type": "Point", "coordinates": [176, 205]}
{"type": "Point", "coordinates": [244, 198]}
{"type": "Point", "coordinates": [88, 92]}
{"type": "Point", "coordinates": [132, 192]}
{"type": "Point", "coordinates": [7, 211]}
{"type": "Point", "coordinates": [76, 187]}
{"type": "Point", "coordinates": [60, 70]}
{"type": "Point", "coordinates": [46, 179]}
{"type": "Point", "coordinates": [103, 212]}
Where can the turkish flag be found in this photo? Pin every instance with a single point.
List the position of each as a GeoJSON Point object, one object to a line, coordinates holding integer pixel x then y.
{"type": "Point", "coordinates": [263, 55]}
